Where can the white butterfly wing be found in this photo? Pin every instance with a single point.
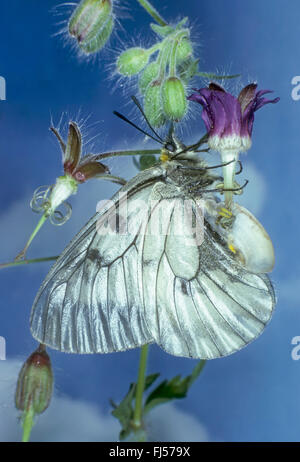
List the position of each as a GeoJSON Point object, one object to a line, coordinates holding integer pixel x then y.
{"type": "Point", "coordinates": [89, 301]}
{"type": "Point", "coordinates": [197, 301]}
{"type": "Point", "coordinates": [111, 292]}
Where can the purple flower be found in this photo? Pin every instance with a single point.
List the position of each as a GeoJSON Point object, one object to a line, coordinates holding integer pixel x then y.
{"type": "Point", "coordinates": [229, 120]}
{"type": "Point", "coordinates": [229, 123]}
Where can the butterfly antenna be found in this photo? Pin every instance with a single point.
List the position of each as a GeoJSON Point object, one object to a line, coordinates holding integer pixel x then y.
{"type": "Point", "coordinates": [193, 147]}
{"type": "Point", "coordinates": [122, 117]}
{"type": "Point", "coordinates": [172, 143]}
{"type": "Point", "coordinates": [139, 106]}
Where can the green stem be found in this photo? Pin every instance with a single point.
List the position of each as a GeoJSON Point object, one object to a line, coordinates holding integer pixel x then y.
{"type": "Point", "coordinates": [176, 41]}
{"type": "Point", "coordinates": [26, 262]}
{"type": "Point", "coordinates": [27, 425]}
{"type": "Point", "coordinates": [153, 12]}
{"type": "Point", "coordinates": [172, 66]}
{"type": "Point", "coordinates": [229, 157]}
{"type": "Point", "coordinates": [112, 178]}
{"type": "Point", "coordinates": [210, 75]}
{"type": "Point", "coordinates": [154, 48]}
{"type": "Point", "coordinates": [163, 58]}
{"type": "Point", "coordinates": [137, 416]}
{"type": "Point", "coordinates": [146, 152]}
{"type": "Point", "coordinates": [34, 233]}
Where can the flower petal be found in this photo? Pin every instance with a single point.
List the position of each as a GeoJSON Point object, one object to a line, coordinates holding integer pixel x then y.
{"type": "Point", "coordinates": [221, 111]}
{"type": "Point", "coordinates": [233, 115]}
{"type": "Point", "coordinates": [73, 148]}
{"type": "Point", "coordinates": [260, 102]}
{"type": "Point", "coordinates": [60, 140]}
{"type": "Point", "coordinates": [248, 115]}
{"type": "Point", "coordinates": [247, 95]}
{"type": "Point", "coordinates": [202, 98]}
{"type": "Point", "coordinates": [214, 86]}
{"type": "Point", "coordinates": [89, 170]}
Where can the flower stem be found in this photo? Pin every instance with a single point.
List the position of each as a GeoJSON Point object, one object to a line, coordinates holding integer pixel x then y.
{"type": "Point", "coordinates": [176, 42]}
{"type": "Point", "coordinates": [137, 416]}
{"type": "Point", "coordinates": [152, 11]}
{"type": "Point", "coordinates": [27, 425]}
{"type": "Point", "coordinates": [228, 175]}
{"type": "Point", "coordinates": [146, 152]}
{"type": "Point", "coordinates": [34, 233]}
{"type": "Point", "coordinates": [112, 178]}
{"type": "Point", "coordinates": [26, 262]}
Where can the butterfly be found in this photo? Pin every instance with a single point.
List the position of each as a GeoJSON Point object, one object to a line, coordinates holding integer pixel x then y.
{"type": "Point", "coordinates": [137, 272]}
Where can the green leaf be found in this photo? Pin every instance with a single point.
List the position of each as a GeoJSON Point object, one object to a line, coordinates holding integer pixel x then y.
{"type": "Point", "coordinates": [147, 162]}
{"type": "Point", "coordinates": [150, 379]}
{"type": "Point", "coordinates": [124, 411]}
{"type": "Point", "coordinates": [162, 31]}
{"type": "Point", "coordinates": [196, 371]}
{"type": "Point", "coordinates": [181, 23]}
{"type": "Point", "coordinates": [209, 75]}
{"type": "Point", "coordinates": [144, 162]}
{"type": "Point", "coordinates": [176, 388]}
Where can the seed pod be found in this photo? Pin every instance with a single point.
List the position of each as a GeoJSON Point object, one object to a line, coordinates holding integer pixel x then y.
{"type": "Point", "coordinates": [91, 24]}
{"type": "Point", "coordinates": [132, 61]}
{"type": "Point", "coordinates": [35, 383]}
{"type": "Point", "coordinates": [153, 104]}
{"type": "Point", "coordinates": [184, 50]}
{"type": "Point", "coordinates": [98, 41]}
{"type": "Point", "coordinates": [174, 99]}
{"type": "Point", "coordinates": [149, 74]}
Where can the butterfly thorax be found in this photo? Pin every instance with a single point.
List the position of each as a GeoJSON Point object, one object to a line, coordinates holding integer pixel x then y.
{"type": "Point", "coordinates": [190, 176]}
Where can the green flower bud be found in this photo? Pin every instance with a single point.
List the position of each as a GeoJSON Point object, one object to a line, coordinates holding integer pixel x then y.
{"type": "Point", "coordinates": [91, 24]}
{"type": "Point", "coordinates": [132, 61]}
{"type": "Point", "coordinates": [184, 50]}
{"type": "Point", "coordinates": [149, 74]}
{"type": "Point", "coordinates": [98, 42]}
{"type": "Point", "coordinates": [35, 383]}
{"type": "Point", "coordinates": [174, 99]}
{"type": "Point", "coordinates": [153, 104]}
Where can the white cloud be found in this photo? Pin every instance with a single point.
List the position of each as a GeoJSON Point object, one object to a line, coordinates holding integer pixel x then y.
{"type": "Point", "coordinates": [73, 420]}
{"type": "Point", "coordinates": [289, 290]}
{"type": "Point", "coordinates": [254, 195]}
{"type": "Point", "coordinates": [168, 423]}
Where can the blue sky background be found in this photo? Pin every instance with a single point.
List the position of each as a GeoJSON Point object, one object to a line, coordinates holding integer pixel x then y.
{"type": "Point", "coordinates": [251, 395]}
